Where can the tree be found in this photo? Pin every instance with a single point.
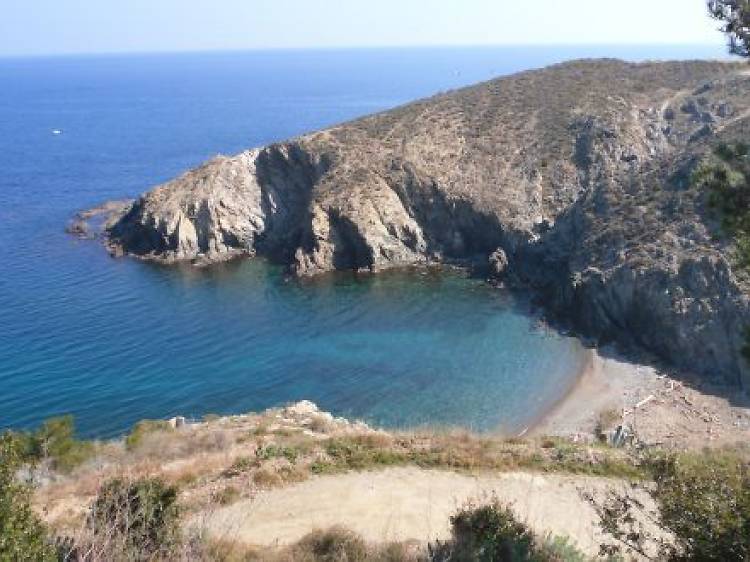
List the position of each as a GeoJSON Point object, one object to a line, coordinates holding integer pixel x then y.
{"type": "Point", "coordinates": [736, 17]}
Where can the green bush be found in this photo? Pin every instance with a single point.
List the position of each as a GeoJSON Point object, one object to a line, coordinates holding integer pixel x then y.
{"type": "Point", "coordinates": [54, 442]}
{"type": "Point", "coordinates": [333, 545]}
{"type": "Point", "coordinates": [560, 549]}
{"type": "Point", "coordinates": [143, 428]}
{"type": "Point", "coordinates": [492, 533]}
{"type": "Point", "coordinates": [23, 537]}
{"type": "Point", "coordinates": [702, 503]}
{"type": "Point", "coordinates": [488, 533]}
{"type": "Point", "coordinates": [706, 505]}
{"type": "Point", "coordinates": [274, 451]}
{"type": "Point", "coordinates": [725, 176]}
{"type": "Point", "coordinates": [142, 515]}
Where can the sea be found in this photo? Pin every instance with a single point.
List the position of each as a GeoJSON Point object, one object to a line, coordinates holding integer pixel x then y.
{"type": "Point", "coordinates": [114, 341]}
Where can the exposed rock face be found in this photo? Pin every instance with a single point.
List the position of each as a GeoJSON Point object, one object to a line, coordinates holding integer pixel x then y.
{"type": "Point", "coordinates": [578, 174]}
{"type": "Point", "coordinates": [498, 263]}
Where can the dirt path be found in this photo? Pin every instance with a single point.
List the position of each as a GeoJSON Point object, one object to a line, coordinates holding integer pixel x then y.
{"type": "Point", "coordinates": [407, 503]}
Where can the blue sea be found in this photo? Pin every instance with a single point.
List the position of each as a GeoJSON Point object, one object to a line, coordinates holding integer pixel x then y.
{"type": "Point", "coordinates": [113, 341]}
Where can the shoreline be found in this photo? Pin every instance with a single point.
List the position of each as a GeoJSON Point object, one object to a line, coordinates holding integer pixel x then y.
{"type": "Point", "coordinates": [559, 407]}
{"type": "Point", "coordinates": [662, 409]}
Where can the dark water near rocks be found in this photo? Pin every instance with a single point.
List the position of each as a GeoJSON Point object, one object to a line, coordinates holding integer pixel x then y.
{"type": "Point", "coordinates": [115, 341]}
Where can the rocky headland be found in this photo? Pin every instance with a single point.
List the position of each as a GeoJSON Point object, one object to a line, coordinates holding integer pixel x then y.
{"type": "Point", "coordinates": [573, 180]}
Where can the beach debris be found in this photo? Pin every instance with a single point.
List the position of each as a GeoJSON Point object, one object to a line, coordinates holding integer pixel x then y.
{"type": "Point", "coordinates": [621, 436]}
{"type": "Point", "coordinates": [645, 401]}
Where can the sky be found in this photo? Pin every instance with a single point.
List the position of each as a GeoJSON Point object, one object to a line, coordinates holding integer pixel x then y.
{"type": "Point", "coordinates": [51, 27]}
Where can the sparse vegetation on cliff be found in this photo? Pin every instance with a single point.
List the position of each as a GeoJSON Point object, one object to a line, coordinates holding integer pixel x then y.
{"type": "Point", "coordinates": [725, 175]}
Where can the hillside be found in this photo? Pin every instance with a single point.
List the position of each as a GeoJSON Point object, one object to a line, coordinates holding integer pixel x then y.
{"type": "Point", "coordinates": [573, 180]}
{"type": "Point", "coordinates": [260, 486]}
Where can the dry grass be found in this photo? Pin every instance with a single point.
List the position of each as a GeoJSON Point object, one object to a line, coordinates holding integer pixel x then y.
{"type": "Point", "coordinates": [266, 478]}
{"type": "Point", "coordinates": [215, 463]}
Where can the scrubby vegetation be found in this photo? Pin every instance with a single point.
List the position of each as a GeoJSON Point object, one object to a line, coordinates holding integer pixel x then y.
{"type": "Point", "coordinates": [701, 507]}
{"type": "Point", "coordinates": [467, 452]}
{"type": "Point", "coordinates": [23, 537]}
{"type": "Point", "coordinates": [700, 502]}
{"type": "Point", "coordinates": [491, 532]}
{"type": "Point", "coordinates": [137, 516]}
{"type": "Point", "coordinates": [726, 178]}
{"type": "Point", "coordinates": [141, 517]}
{"type": "Point", "coordinates": [143, 428]}
{"type": "Point", "coordinates": [53, 443]}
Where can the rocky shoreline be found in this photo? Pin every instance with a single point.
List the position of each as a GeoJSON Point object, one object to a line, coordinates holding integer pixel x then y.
{"type": "Point", "coordinates": [572, 181]}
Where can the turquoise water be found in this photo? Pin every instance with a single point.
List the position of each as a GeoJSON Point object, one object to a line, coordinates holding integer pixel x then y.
{"type": "Point", "coordinates": [115, 341]}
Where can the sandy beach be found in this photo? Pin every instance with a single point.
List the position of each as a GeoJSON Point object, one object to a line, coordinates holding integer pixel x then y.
{"type": "Point", "coordinates": [663, 409]}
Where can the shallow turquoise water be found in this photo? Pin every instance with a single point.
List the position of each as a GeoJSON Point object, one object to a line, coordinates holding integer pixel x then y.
{"type": "Point", "coordinates": [115, 341]}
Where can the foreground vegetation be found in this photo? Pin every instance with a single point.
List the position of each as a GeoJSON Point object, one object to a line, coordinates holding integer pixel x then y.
{"type": "Point", "coordinates": [134, 507]}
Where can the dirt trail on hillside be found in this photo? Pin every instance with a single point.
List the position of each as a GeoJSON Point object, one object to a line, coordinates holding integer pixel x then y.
{"type": "Point", "coordinates": [400, 504]}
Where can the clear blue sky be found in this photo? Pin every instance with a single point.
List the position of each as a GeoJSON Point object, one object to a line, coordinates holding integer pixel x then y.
{"type": "Point", "coordinates": [32, 27]}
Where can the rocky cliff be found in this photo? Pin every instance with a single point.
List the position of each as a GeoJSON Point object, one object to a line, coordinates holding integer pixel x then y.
{"type": "Point", "coordinates": [573, 180]}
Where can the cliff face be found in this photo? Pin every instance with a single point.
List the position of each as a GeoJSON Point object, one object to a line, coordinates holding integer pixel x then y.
{"type": "Point", "coordinates": [577, 174]}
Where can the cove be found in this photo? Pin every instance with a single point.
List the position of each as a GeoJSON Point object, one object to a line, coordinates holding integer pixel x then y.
{"type": "Point", "coordinates": [397, 349]}
{"type": "Point", "coordinates": [116, 341]}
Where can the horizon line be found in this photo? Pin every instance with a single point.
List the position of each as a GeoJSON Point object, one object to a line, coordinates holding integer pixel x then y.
{"type": "Point", "coordinates": [347, 48]}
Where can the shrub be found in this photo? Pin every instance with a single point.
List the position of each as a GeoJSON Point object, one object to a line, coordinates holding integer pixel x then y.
{"type": "Point", "coordinates": [22, 535]}
{"type": "Point", "coordinates": [560, 549]}
{"type": "Point", "coordinates": [142, 515]}
{"type": "Point", "coordinates": [227, 495]}
{"type": "Point", "coordinates": [267, 478]}
{"type": "Point", "coordinates": [54, 442]}
{"type": "Point", "coordinates": [240, 465]}
{"type": "Point", "coordinates": [491, 533]}
{"type": "Point", "coordinates": [333, 545]}
{"type": "Point", "coordinates": [143, 428]}
{"type": "Point", "coordinates": [55, 439]}
{"type": "Point", "coordinates": [273, 451]}
{"type": "Point", "coordinates": [725, 176]}
{"type": "Point", "coordinates": [702, 503]}
{"type": "Point", "coordinates": [488, 533]}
